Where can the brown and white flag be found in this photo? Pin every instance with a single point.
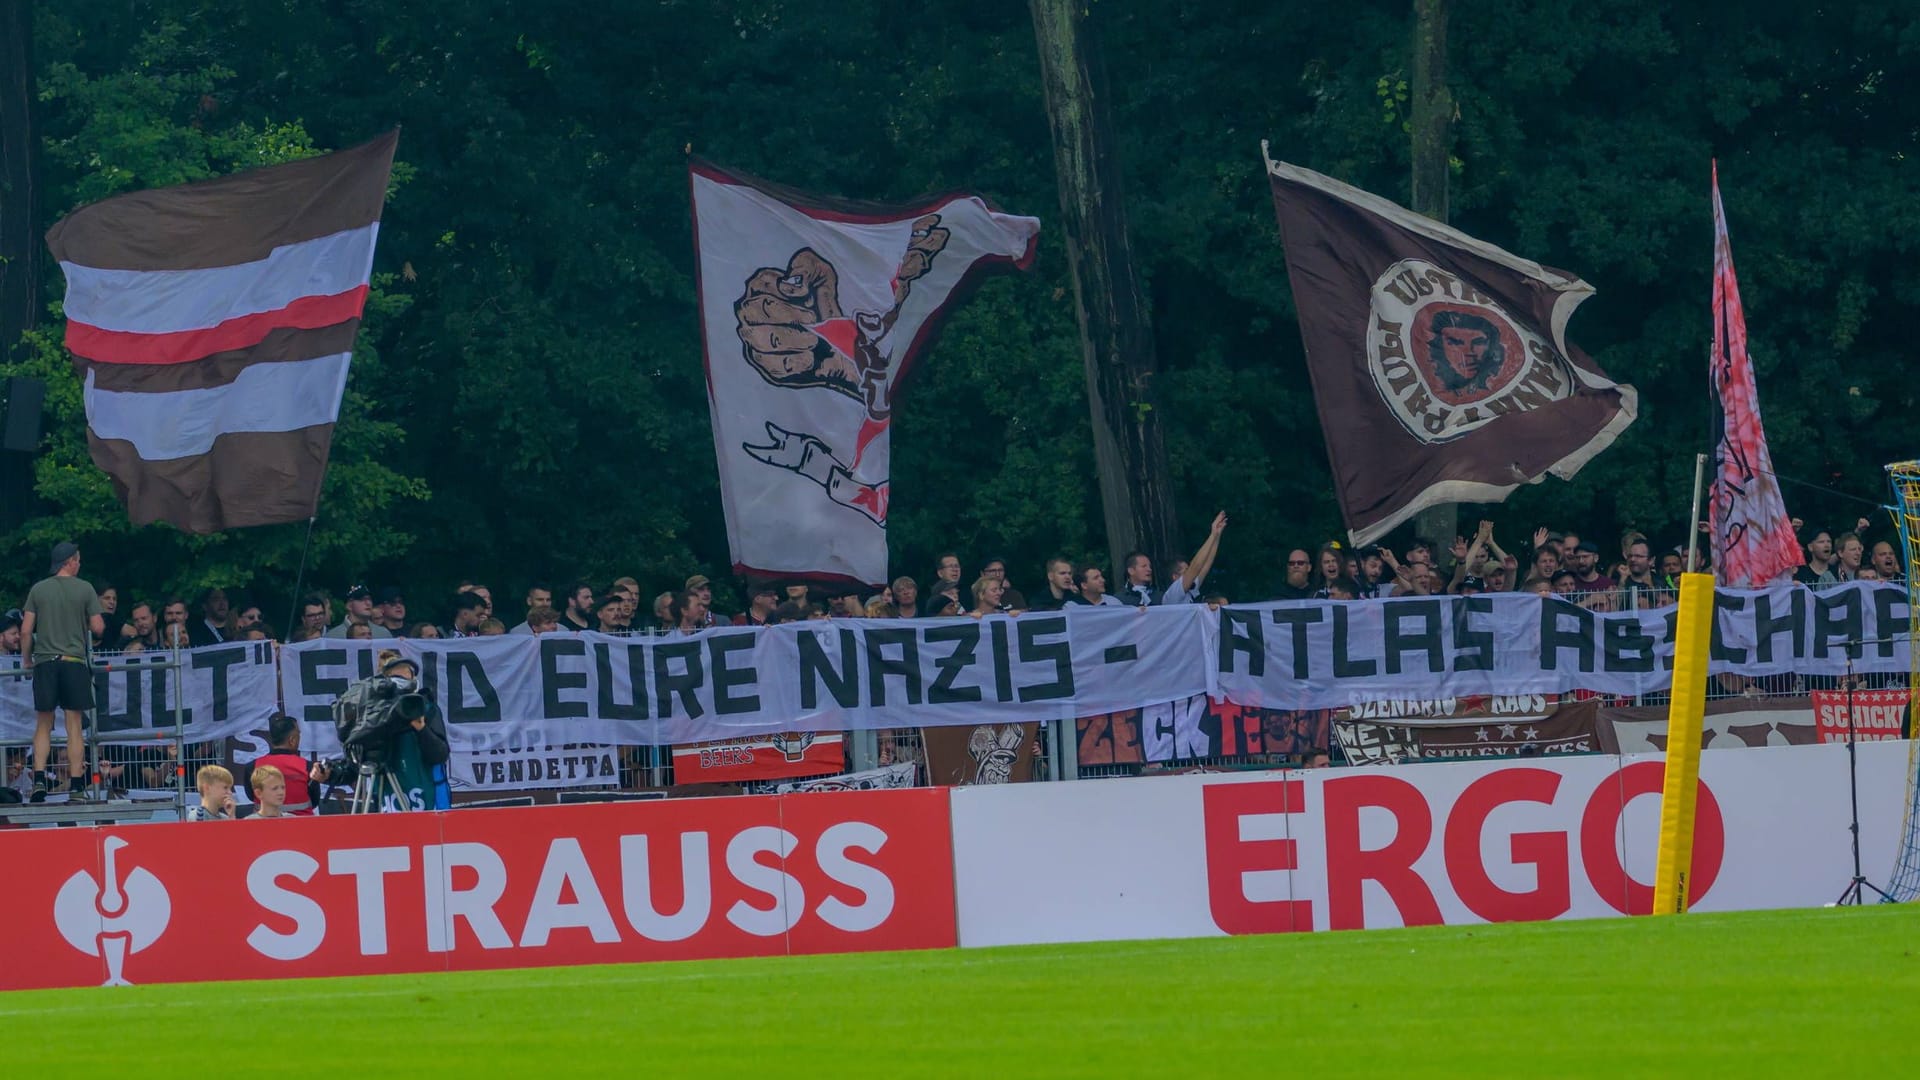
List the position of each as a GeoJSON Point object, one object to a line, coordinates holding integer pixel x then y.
{"type": "Point", "coordinates": [211, 325]}
{"type": "Point", "coordinates": [1439, 362]}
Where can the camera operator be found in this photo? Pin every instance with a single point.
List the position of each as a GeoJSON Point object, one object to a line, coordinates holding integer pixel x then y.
{"type": "Point", "coordinates": [416, 755]}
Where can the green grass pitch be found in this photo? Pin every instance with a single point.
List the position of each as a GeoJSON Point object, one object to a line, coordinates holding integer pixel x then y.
{"type": "Point", "coordinates": [1789, 993]}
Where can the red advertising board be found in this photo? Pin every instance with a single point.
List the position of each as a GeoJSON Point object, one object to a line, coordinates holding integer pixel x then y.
{"type": "Point", "coordinates": [475, 889]}
{"type": "Point", "coordinates": [1877, 714]}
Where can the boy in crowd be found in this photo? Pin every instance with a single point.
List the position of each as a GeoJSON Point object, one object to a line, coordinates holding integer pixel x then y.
{"type": "Point", "coordinates": [270, 792]}
{"type": "Point", "coordinates": [216, 795]}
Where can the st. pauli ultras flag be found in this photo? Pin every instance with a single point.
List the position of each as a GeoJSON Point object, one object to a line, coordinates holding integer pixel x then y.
{"type": "Point", "coordinates": [1753, 541]}
{"type": "Point", "coordinates": [812, 312]}
{"type": "Point", "coordinates": [211, 325]}
{"type": "Point", "coordinates": [1439, 362]}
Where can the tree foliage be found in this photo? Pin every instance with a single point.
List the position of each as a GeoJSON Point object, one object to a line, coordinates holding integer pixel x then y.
{"type": "Point", "coordinates": [527, 399]}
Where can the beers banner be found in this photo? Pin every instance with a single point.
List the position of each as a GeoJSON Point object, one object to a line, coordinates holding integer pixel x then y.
{"type": "Point", "coordinates": [839, 675]}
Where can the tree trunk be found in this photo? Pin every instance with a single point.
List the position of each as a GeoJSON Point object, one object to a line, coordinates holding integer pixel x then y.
{"type": "Point", "coordinates": [19, 216]}
{"type": "Point", "coordinates": [1432, 123]}
{"type": "Point", "coordinates": [1116, 331]}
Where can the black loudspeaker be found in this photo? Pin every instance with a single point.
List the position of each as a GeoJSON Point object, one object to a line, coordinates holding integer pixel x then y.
{"type": "Point", "coordinates": [21, 431]}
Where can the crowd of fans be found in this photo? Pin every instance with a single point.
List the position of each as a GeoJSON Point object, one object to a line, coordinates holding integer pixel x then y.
{"type": "Point", "coordinates": [1635, 572]}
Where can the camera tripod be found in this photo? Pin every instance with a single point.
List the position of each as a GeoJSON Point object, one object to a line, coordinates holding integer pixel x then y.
{"type": "Point", "coordinates": [372, 786]}
{"type": "Point", "coordinates": [1851, 895]}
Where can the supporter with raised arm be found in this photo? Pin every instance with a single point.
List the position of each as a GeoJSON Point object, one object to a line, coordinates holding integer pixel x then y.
{"type": "Point", "coordinates": [1092, 588]}
{"type": "Point", "coordinates": [1298, 584]}
{"type": "Point", "coordinates": [1185, 586]}
{"type": "Point", "coordinates": [1468, 557]}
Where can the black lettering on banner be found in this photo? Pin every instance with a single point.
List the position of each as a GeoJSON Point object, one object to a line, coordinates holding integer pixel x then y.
{"type": "Point", "coordinates": [1837, 619]}
{"type": "Point", "coordinates": [1717, 648]}
{"type": "Point", "coordinates": [317, 681]}
{"type": "Point", "coordinates": [816, 670]}
{"type": "Point", "coordinates": [1059, 651]}
{"type": "Point", "coordinates": [1426, 639]}
{"type": "Point", "coordinates": [906, 666]}
{"type": "Point", "coordinates": [1343, 666]}
{"type": "Point", "coordinates": [1472, 641]}
{"type": "Point", "coordinates": [1002, 660]}
{"type": "Point", "coordinates": [105, 719]}
{"type": "Point", "coordinates": [685, 682]}
{"type": "Point", "coordinates": [966, 638]}
{"type": "Point", "coordinates": [727, 678]}
{"type": "Point", "coordinates": [1554, 614]}
{"type": "Point", "coordinates": [609, 708]}
{"type": "Point", "coordinates": [1297, 619]}
{"type": "Point", "coordinates": [160, 679]}
{"type": "Point", "coordinates": [1766, 627]}
{"type": "Point", "coordinates": [554, 681]}
{"type": "Point", "coordinates": [1670, 633]}
{"type": "Point", "coordinates": [1624, 646]}
{"type": "Point", "coordinates": [1241, 632]}
{"type": "Point", "coordinates": [1890, 615]}
{"type": "Point", "coordinates": [216, 662]}
{"type": "Point", "coordinates": [465, 670]}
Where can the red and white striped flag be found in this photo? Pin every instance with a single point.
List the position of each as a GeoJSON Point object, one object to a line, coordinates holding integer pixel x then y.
{"type": "Point", "coordinates": [212, 324]}
{"type": "Point", "coordinates": [1753, 541]}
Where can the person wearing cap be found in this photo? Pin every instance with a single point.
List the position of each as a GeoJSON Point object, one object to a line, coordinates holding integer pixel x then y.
{"type": "Point", "coordinates": [417, 758]}
{"type": "Point", "coordinates": [390, 610]}
{"type": "Point", "coordinates": [59, 619]}
{"type": "Point", "coordinates": [10, 636]}
{"type": "Point", "coordinates": [699, 586]}
{"type": "Point", "coordinates": [1470, 585]}
{"type": "Point", "coordinates": [359, 613]}
{"type": "Point", "coordinates": [608, 613]}
{"type": "Point", "coordinates": [764, 599]}
{"type": "Point", "coordinates": [1586, 568]}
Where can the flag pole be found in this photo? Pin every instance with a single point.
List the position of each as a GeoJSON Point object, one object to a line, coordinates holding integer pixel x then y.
{"type": "Point", "coordinates": [1693, 523]}
{"type": "Point", "coordinates": [299, 576]}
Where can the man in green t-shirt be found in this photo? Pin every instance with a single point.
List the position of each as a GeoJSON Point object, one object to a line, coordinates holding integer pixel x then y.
{"type": "Point", "coordinates": [61, 615]}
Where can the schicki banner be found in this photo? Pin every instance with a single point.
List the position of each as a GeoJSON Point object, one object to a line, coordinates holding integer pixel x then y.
{"type": "Point", "coordinates": [1440, 363]}
{"type": "Point", "coordinates": [672, 880]}
{"type": "Point", "coordinates": [812, 311]}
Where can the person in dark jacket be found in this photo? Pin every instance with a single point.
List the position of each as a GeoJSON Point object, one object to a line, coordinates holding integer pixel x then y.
{"type": "Point", "coordinates": [416, 757]}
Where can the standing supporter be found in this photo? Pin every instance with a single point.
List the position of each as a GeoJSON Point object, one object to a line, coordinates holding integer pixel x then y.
{"type": "Point", "coordinates": [629, 597]}
{"type": "Point", "coordinates": [424, 631]}
{"type": "Point", "coordinates": [283, 754]}
{"type": "Point", "coordinates": [542, 621]}
{"type": "Point", "coordinates": [390, 610]}
{"type": "Point", "coordinates": [1848, 553]}
{"type": "Point", "coordinates": [1586, 568]}
{"type": "Point", "coordinates": [491, 627]}
{"type": "Point", "coordinates": [987, 594]}
{"type": "Point", "coordinates": [10, 637]}
{"type": "Point", "coordinates": [360, 632]}
{"type": "Point", "coordinates": [211, 628]}
{"type": "Point", "coordinates": [764, 599]}
{"type": "Point", "coordinates": [1329, 570]}
{"type": "Point", "coordinates": [1136, 576]}
{"type": "Point", "coordinates": [1298, 584]}
{"type": "Point", "coordinates": [1819, 566]}
{"type": "Point", "coordinates": [1886, 562]}
{"type": "Point", "coordinates": [470, 610]}
{"type": "Point", "coordinates": [1059, 585]}
{"type": "Point", "coordinates": [485, 594]}
{"type": "Point", "coordinates": [607, 614]}
{"type": "Point", "coordinates": [906, 597]}
{"type": "Point", "coordinates": [878, 608]}
{"type": "Point", "coordinates": [57, 622]}
{"type": "Point", "coordinates": [787, 612]}
{"type": "Point", "coordinates": [538, 596]}
{"type": "Point", "coordinates": [113, 622]}
{"type": "Point", "coordinates": [245, 617]}
{"type": "Point", "coordinates": [359, 613]}
{"type": "Point", "coordinates": [579, 613]}
{"type": "Point", "coordinates": [1185, 586]}
{"type": "Point", "coordinates": [314, 612]}
{"type": "Point", "coordinates": [699, 584]}
{"type": "Point", "coordinates": [947, 572]}
{"type": "Point", "coordinates": [1010, 597]}
{"type": "Point", "coordinates": [174, 613]}
{"type": "Point", "coordinates": [1092, 590]}
{"type": "Point", "coordinates": [1564, 583]}
{"type": "Point", "coordinates": [688, 612]}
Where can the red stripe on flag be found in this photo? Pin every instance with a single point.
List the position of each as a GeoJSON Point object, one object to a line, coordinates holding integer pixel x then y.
{"type": "Point", "coordinates": [184, 346]}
